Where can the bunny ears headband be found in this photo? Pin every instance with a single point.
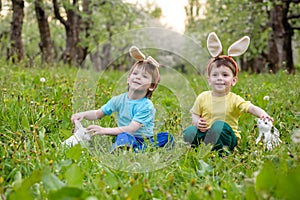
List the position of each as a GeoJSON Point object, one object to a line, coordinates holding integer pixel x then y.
{"type": "Point", "coordinates": [214, 47]}
{"type": "Point", "coordinates": [139, 56]}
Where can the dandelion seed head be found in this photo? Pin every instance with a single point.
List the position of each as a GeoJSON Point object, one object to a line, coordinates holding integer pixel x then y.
{"type": "Point", "coordinates": [43, 80]}
{"type": "Point", "coordinates": [266, 98]}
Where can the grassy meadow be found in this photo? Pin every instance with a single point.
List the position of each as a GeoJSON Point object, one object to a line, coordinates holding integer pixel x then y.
{"type": "Point", "coordinates": [36, 106]}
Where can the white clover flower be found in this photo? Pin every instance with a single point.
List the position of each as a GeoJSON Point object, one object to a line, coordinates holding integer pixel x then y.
{"type": "Point", "coordinates": [43, 80]}
{"type": "Point", "coordinates": [266, 98]}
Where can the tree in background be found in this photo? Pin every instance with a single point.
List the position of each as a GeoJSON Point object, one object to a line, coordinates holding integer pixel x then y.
{"type": "Point", "coordinates": [15, 50]}
{"type": "Point", "coordinates": [74, 53]}
{"type": "Point", "coordinates": [283, 18]}
{"type": "Point", "coordinates": [270, 24]}
{"type": "Point", "coordinates": [68, 31]}
{"type": "Point", "coordinates": [46, 45]}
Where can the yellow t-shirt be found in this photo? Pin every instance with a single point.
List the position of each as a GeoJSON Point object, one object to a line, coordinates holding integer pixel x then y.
{"type": "Point", "coordinates": [227, 108]}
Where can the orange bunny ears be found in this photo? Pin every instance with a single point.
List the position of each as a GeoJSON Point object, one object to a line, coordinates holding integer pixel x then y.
{"type": "Point", "coordinates": [214, 47]}
{"type": "Point", "coordinates": [139, 56]}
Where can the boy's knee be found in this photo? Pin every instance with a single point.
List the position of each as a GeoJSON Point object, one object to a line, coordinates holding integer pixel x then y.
{"type": "Point", "coordinates": [189, 134]}
{"type": "Point", "coordinates": [218, 124]}
{"type": "Point", "coordinates": [218, 127]}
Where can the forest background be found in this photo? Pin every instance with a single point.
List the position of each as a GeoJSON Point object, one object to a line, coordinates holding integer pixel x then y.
{"type": "Point", "coordinates": [39, 32]}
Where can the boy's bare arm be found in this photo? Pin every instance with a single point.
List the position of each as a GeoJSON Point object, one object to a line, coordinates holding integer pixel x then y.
{"type": "Point", "coordinates": [199, 122]}
{"type": "Point", "coordinates": [195, 119]}
{"type": "Point", "coordinates": [98, 130]}
{"type": "Point", "coordinates": [259, 112]}
{"type": "Point", "coordinates": [88, 115]}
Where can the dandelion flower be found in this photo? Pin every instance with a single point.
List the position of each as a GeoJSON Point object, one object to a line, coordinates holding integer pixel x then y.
{"type": "Point", "coordinates": [266, 98]}
{"type": "Point", "coordinates": [43, 80]}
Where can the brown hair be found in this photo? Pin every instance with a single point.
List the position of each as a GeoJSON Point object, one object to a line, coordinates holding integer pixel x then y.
{"type": "Point", "coordinates": [223, 61]}
{"type": "Point", "coordinates": [152, 69]}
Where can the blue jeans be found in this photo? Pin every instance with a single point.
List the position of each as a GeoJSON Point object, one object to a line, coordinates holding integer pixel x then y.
{"type": "Point", "coordinates": [138, 142]}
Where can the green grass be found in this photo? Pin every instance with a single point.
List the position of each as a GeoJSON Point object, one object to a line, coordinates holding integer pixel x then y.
{"type": "Point", "coordinates": [35, 119]}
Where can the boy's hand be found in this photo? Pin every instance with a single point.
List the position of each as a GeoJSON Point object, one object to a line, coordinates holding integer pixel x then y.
{"type": "Point", "coordinates": [267, 117]}
{"type": "Point", "coordinates": [97, 130]}
{"type": "Point", "coordinates": [77, 116]}
{"type": "Point", "coordinates": [201, 125]}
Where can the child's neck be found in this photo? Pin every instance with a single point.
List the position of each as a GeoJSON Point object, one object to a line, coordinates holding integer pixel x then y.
{"type": "Point", "coordinates": [136, 94]}
{"type": "Point", "coordinates": [219, 94]}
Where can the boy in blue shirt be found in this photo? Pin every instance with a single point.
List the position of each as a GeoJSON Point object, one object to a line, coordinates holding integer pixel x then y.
{"type": "Point", "coordinates": [134, 107]}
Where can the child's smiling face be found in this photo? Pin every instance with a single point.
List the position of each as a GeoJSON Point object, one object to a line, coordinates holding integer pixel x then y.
{"type": "Point", "coordinates": [221, 79]}
{"type": "Point", "coordinates": [139, 79]}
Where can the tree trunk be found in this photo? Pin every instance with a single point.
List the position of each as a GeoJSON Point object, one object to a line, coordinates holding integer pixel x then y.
{"type": "Point", "coordinates": [276, 40]}
{"type": "Point", "coordinates": [72, 32]}
{"type": "Point", "coordinates": [282, 38]}
{"type": "Point", "coordinates": [85, 27]}
{"type": "Point", "coordinates": [16, 47]}
{"type": "Point", "coordinates": [288, 35]}
{"type": "Point", "coordinates": [45, 36]}
{"type": "Point", "coordinates": [273, 55]}
{"type": "Point", "coordinates": [106, 52]}
{"type": "Point", "coordinates": [74, 53]}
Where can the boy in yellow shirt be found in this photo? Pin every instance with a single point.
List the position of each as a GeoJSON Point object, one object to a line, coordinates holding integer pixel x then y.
{"type": "Point", "coordinates": [215, 113]}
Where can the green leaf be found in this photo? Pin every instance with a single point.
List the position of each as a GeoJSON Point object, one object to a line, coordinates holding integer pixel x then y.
{"type": "Point", "coordinates": [23, 190]}
{"type": "Point", "coordinates": [204, 168]}
{"type": "Point", "coordinates": [25, 123]}
{"type": "Point", "coordinates": [17, 180]}
{"type": "Point", "coordinates": [266, 180]}
{"type": "Point", "coordinates": [288, 186]}
{"type": "Point", "coordinates": [111, 179]}
{"type": "Point", "coordinates": [74, 152]}
{"type": "Point", "coordinates": [74, 176]}
{"type": "Point", "coordinates": [67, 193]}
{"type": "Point", "coordinates": [250, 192]}
{"type": "Point", "coordinates": [51, 181]}
{"type": "Point", "coordinates": [136, 191]}
{"type": "Point", "coordinates": [32, 179]}
{"type": "Point", "coordinates": [42, 132]}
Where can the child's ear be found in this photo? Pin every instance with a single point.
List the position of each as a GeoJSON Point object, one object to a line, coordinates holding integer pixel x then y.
{"type": "Point", "coordinates": [234, 81]}
{"type": "Point", "coordinates": [208, 80]}
{"type": "Point", "coordinates": [151, 88]}
{"type": "Point", "coordinates": [127, 79]}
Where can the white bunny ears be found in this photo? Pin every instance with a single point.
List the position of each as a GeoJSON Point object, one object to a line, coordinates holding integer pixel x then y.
{"type": "Point", "coordinates": [236, 49]}
{"type": "Point", "coordinates": [214, 47]}
{"type": "Point", "coordinates": [139, 56]}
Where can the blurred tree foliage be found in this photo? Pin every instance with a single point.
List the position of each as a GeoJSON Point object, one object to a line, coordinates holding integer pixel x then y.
{"type": "Point", "coordinates": [67, 31]}
{"type": "Point", "coordinates": [270, 25]}
{"type": "Point", "coordinates": [46, 31]}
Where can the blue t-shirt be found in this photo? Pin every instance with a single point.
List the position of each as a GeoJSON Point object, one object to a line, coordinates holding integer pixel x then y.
{"type": "Point", "coordinates": [140, 110]}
